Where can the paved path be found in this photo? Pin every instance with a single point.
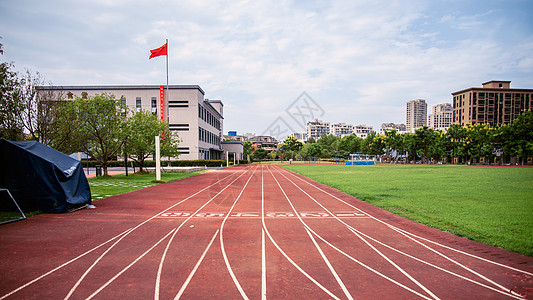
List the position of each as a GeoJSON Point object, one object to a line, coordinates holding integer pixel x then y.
{"type": "Point", "coordinates": [252, 232]}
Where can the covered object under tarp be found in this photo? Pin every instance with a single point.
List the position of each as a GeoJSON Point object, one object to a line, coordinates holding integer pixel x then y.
{"type": "Point", "coordinates": [41, 178]}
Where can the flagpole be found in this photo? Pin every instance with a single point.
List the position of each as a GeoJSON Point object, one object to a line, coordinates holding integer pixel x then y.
{"type": "Point", "coordinates": [167, 83]}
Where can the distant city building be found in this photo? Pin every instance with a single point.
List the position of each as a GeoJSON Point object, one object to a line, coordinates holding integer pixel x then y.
{"type": "Point", "coordinates": [496, 103]}
{"type": "Point", "coordinates": [342, 129]}
{"type": "Point", "coordinates": [302, 137]}
{"type": "Point", "coordinates": [442, 116]}
{"type": "Point", "coordinates": [198, 121]}
{"type": "Point", "coordinates": [400, 128]}
{"type": "Point", "coordinates": [416, 116]}
{"type": "Point", "coordinates": [363, 131]}
{"type": "Point", "coordinates": [317, 128]}
{"type": "Point", "coordinates": [266, 142]}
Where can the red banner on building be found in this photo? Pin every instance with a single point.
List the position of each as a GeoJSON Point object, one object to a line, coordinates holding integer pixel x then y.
{"type": "Point", "coordinates": [162, 97]}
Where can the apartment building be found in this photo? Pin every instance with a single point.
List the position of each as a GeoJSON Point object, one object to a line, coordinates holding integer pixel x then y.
{"type": "Point", "coordinates": [400, 128]}
{"type": "Point", "coordinates": [342, 129]}
{"type": "Point", "coordinates": [441, 117]}
{"type": "Point", "coordinates": [496, 103]}
{"type": "Point", "coordinates": [416, 115]}
{"type": "Point", "coordinates": [198, 121]}
{"type": "Point", "coordinates": [363, 131]}
{"type": "Point", "coordinates": [317, 128]}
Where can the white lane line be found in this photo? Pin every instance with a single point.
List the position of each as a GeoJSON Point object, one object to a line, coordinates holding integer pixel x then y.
{"type": "Point", "coordinates": [356, 232]}
{"type": "Point", "coordinates": [118, 235]}
{"type": "Point", "coordinates": [186, 283]}
{"type": "Point", "coordinates": [352, 258]}
{"type": "Point", "coordinates": [92, 266]}
{"type": "Point", "coordinates": [61, 266]}
{"type": "Point", "coordinates": [331, 269]}
{"type": "Point", "coordinates": [365, 241]}
{"type": "Point", "coordinates": [459, 264]}
{"type": "Point", "coordinates": [263, 267]}
{"type": "Point", "coordinates": [409, 233]}
{"type": "Point", "coordinates": [279, 248]}
{"type": "Point", "coordinates": [226, 261]}
{"type": "Point", "coordinates": [128, 266]}
{"type": "Point", "coordinates": [160, 269]}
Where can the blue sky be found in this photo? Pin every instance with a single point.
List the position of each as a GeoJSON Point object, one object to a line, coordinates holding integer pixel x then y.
{"type": "Point", "coordinates": [360, 61]}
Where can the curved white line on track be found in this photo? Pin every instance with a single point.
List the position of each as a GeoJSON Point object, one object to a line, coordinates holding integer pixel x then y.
{"type": "Point", "coordinates": [507, 290]}
{"type": "Point", "coordinates": [186, 283]}
{"type": "Point", "coordinates": [281, 250]}
{"type": "Point", "coordinates": [226, 261]}
{"type": "Point", "coordinates": [347, 255]}
{"type": "Point", "coordinates": [61, 266]}
{"type": "Point", "coordinates": [92, 266]}
{"type": "Point", "coordinates": [161, 263]}
{"type": "Point", "coordinates": [128, 266]}
{"type": "Point", "coordinates": [331, 269]}
{"type": "Point", "coordinates": [118, 235]}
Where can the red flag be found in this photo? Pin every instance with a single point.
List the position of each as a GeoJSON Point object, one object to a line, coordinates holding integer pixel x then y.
{"type": "Point", "coordinates": [159, 51]}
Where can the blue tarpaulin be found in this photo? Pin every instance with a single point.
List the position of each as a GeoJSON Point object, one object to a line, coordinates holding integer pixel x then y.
{"type": "Point", "coordinates": [41, 178]}
{"type": "Point", "coordinates": [359, 162]}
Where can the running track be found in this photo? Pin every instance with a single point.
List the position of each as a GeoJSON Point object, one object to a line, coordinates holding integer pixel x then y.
{"type": "Point", "coordinates": [252, 232]}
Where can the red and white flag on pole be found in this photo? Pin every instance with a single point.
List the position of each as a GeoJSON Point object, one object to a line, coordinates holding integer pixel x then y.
{"type": "Point", "coordinates": [159, 51]}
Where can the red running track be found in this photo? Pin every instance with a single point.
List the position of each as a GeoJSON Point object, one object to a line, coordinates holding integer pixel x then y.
{"type": "Point", "coordinates": [252, 232]}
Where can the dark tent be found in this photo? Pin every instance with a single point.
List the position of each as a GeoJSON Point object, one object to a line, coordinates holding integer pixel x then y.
{"type": "Point", "coordinates": [41, 178]}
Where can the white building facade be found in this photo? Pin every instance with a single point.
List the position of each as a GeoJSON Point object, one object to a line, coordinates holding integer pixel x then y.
{"type": "Point", "coordinates": [317, 128]}
{"type": "Point", "coordinates": [416, 115]}
{"type": "Point", "coordinates": [198, 121]}
{"type": "Point", "coordinates": [342, 129]}
{"type": "Point", "coordinates": [363, 131]}
{"type": "Point", "coordinates": [442, 116]}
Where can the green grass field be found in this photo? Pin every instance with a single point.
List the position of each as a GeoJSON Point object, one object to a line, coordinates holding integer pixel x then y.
{"type": "Point", "coordinates": [486, 204]}
{"type": "Point", "coordinates": [105, 186]}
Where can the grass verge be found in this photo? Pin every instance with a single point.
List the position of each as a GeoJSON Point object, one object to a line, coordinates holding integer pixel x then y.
{"type": "Point", "coordinates": [490, 205]}
{"type": "Point", "coordinates": [106, 186]}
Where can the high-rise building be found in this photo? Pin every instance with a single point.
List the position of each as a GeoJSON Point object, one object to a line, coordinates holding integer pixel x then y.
{"type": "Point", "coordinates": [496, 103]}
{"type": "Point", "coordinates": [317, 128]}
{"type": "Point", "coordinates": [442, 116]}
{"type": "Point", "coordinates": [416, 114]}
{"type": "Point", "coordinates": [341, 129]}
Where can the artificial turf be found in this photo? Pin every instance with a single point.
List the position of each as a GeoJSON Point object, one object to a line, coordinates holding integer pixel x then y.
{"type": "Point", "coordinates": [492, 205]}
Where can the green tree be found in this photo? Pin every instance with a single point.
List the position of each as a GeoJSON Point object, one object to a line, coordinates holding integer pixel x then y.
{"type": "Point", "coordinates": [424, 139]}
{"type": "Point", "coordinates": [350, 144]}
{"type": "Point", "coordinates": [521, 138]}
{"type": "Point", "coordinates": [248, 147]}
{"type": "Point", "coordinates": [11, 107]}
{"type": "Point", "coordinates": [260, 154]}
{"type": "Point", "coordinates": [291, 143]}
{"type": "Point", "coordinates": [140, 133]}
{"type": "Point", "coordinates": [98, 127]}
{"type": "Point", "coordinates": [310, 140]}
{"type": "Point", "coordinates": [315, 150]}
{"type": "Point", "coordinates": [455, 137]}
{"type": "Point", "coordinates": [374, 144]}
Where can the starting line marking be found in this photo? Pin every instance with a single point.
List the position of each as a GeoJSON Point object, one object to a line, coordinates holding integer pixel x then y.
{"type": "Point", "coordinates": [275, 215]}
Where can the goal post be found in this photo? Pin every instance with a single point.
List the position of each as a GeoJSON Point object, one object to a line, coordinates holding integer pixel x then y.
{"type": "Point", "coordinates": [9, 209]}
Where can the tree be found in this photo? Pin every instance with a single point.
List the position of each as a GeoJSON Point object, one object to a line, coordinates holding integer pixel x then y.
{"type": "Point", "coordinates": [260, 154]}
{"type": "Point", "coordinates": [291, 143]}
{"type": "Point", "coordinates": [315, 150]}
{"type": "Point", "coordinates": [374, 144]}
{"type": "Point", "coordinates": [248, 147]}
{"type": "Point", "coordinates": [98, 127]}
{"type": "Point", "coordinates": [310, 140]}
{"type": "Point", "coordinates": [521, 138]}
{"type": "Point", "coordinates": [140, 133]}
{"type": "Point", "coordinates": [350, 144]}
{"type": "Point", "coordinates": [10, 105]}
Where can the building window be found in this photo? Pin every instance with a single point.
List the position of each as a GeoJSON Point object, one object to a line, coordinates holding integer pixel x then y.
{"type": "Point", "coordinates": [138, 103]}
{"type": "Point", "coordinates": [154, 105]}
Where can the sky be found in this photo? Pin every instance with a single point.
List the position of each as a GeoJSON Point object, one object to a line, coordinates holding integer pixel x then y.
{"type": "Point", "coordinates": [276, 64]}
